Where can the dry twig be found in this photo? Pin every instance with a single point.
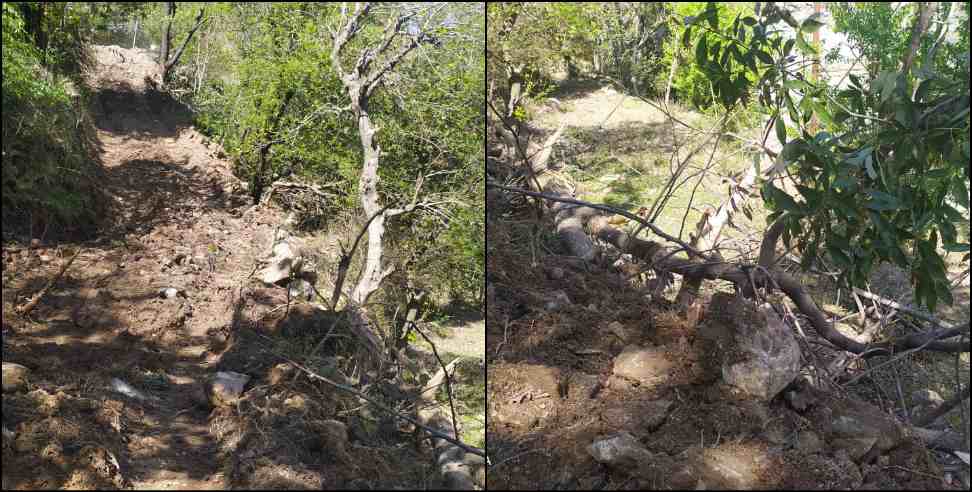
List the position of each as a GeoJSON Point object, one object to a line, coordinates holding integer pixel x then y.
{"type": "Point", "coordinates": [25, 309]}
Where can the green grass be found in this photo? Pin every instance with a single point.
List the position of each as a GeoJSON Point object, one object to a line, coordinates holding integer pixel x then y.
{"type": "Point", "coordinates": [469, 390]}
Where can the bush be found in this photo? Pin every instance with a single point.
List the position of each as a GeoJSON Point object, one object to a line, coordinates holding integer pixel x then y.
{"type": "Point", "coordinates": [46, 154]}
{"type": "Point", "coordinates": [691, 85]}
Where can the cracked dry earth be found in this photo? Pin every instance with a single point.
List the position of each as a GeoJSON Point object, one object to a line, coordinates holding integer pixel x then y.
{"type": "Point", "coordinates": [177, 218]}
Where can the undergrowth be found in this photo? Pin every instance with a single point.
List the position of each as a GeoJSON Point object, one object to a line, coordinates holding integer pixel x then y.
{"type": "Point", "coordinates": [47, 140]}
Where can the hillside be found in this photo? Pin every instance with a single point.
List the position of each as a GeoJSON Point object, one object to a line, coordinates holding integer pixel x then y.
{"type": "Point", "coordinates": [124, 366]}
{"type": "Point", "coordinates": [597, 380]}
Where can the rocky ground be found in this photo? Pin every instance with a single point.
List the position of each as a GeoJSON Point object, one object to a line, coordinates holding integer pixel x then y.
{"type": "Point", "coordinates": [592, 384]}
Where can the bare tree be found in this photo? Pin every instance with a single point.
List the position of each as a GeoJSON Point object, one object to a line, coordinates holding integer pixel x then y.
{"type": "Point", "coordinates": [165, 63]}
{"type": "Point", "coordinates": [403, 32]}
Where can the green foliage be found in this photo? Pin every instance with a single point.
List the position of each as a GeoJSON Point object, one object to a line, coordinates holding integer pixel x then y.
{"type": "Point", "coordinates": [695, 26]}
{"type": "Point", "coordinates": [45, 151]}
{"type": "Point", "coordinates": [875, 29]}
{"type": "Point", "coordinates": [429, 112]}
{"type": "Point", "coordinates": [884, 175]}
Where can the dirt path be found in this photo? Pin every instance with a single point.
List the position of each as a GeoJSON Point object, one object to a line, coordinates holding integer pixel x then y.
{"type": "Point", "coordinates": [176, 220]}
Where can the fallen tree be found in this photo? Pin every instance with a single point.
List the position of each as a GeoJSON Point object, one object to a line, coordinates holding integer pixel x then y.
{"type": "Point", "coordinates": [745, 277]}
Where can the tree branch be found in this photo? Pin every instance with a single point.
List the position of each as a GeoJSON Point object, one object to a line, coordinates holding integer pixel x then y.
{"type": "Point", "coordinates": [944, 408]}
{"type": "Point", "coordinates": [359, 394]}
{"type": "Point", "coordinates": [175, 58]}
{"type": "Point", "coordinates": [700, 266]}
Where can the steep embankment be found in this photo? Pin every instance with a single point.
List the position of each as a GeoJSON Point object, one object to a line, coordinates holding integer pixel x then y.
{"type": "Point", "coordinates": [115, 372]}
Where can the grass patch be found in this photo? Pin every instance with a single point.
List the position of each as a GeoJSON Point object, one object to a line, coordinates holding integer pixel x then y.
{"type": "Point", "coordinates": [469, 392]}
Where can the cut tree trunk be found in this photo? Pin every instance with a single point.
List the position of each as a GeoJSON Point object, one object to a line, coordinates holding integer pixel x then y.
{"type": "Point", "coordinates": [450, 458]}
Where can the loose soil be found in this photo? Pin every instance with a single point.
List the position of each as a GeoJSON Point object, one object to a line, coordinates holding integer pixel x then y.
{"type": "Point", "coordinates": [551, 392]}
{"type": "Point", "coordinates": [178, 218]}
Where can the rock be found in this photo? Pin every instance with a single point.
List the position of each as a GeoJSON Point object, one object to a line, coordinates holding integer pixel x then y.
{"type": "Point", "coordinates": [621, 450]}
{"type": "Point", "coordinates": [287, 260]}
{"type": "Point", "coordinates": [557, 301]}
{"type": "Point", "coordinates": [927, 397]}
{"type": "Point", "coordinates": [768, 355]}
{"type": "Point", "coordinates": [35, 243]}
{"type": "Point", "coordinates": [808, 442]}
{"type": "Point", "coordinates": [281, 372]}
{"type": "Point", "coordinates": [648, 366]}
{"type": "Point", "coordinates": [227, 387]}
{"type": "Point", "coordinates": [333, 436]}
{"type": "Point", "coordinates": [171, 293]}
{"type": "Point", "coordinates": [300, 289]}
{"type": "Point", "coordinates": [638, 418]}
{"type": "Point", "coordinates": [296, 402]}
{"type": "Point", "coordinates": [14, 377]}
{"type": "Point", "coordinates": [556, 273]}
{"type": "Point", "coordinates": [126, 389]}
{"type": "Point", "coordinates": [45, 258]}
{"type": "Point", "coordinates": [853, 419]}
{"type": "Point", "coordinates": [622, 332]}
{"type": "Point", "coordinates": [856, 447]}
{"type": "Point", "coordinates": [727, 468]}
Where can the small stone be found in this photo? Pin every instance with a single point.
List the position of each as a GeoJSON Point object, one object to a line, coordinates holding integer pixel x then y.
{"type": "Point", "coordinates": [556, 273]}
{"type": "Point", "coordinates": [169, 292]}
{"type": "Point", "coordinates": [622, 332]}
{"type": "Point", "coordinates": [724, 468]}
{"type": "Point", "coordinates": [227, 387]}
{"type": "Point", "coordinates": [280, 372]}
{"type": "Point", "coordinates": [14, 377]}
{"type": "Point", "coordinates": [35, 243]}
{"type": "Point", "coordinates": [620, 450]}
{"type": "Point", "coordinates": [296, 402]}
{"type": "Point", "coordinates": [45, 258]}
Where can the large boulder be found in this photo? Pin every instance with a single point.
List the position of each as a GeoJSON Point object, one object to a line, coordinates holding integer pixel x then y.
{"type": "Point", "coordinates": [764, 356]}
{"type": "Point", "coordinates": [854, 425]}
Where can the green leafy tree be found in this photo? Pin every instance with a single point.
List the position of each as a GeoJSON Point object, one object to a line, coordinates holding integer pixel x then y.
{"type": "Point", "coordinates": [885, 175]}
